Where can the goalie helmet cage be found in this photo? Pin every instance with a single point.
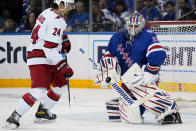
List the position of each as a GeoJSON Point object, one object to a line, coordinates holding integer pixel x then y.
{"type": "Point", "coordinates": [178, 73]}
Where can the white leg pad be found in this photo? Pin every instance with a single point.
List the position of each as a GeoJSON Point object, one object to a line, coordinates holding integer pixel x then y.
{"type": "Point", "coordinates": [129, 113]}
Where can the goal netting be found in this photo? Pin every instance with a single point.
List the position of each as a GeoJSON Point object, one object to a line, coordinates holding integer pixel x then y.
{"type": "Point", "coordinates": [178, 73]}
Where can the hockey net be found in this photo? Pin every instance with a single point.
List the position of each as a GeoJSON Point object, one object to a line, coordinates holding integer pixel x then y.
{"type": "Point", "coordinates": [178, 73]}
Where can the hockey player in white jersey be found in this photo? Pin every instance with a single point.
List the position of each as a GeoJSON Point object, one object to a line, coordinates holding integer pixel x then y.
{"type": "Point", "coordinates": [130, 50]}
{"type": "Point", "coordinates": [46, 64]}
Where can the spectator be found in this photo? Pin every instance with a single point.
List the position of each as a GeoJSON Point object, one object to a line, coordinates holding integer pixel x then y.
{"type": "Point", "coordinates": [68, 22]}
{"type": "Point", "coordinates": [107, 13]}
{"type": "Point", "coordinates": [28, 23]}
{"type": "Point", "coordinates": [9, 26]}
{"type": "Point", "coordinates": [29, 5]}
{"type": "Point", "coordinates": [116, 19]}
{"type": "Point", "coordinates": [100, 23]}
{"type": "Point", "coordinates": [5, 14]}
{"type": "Point", "coordinates": [139, 5]}
{"type": "Point", "coordinates": [119, 14]}
{"type": "Point", "coordinates": [25, 6]}
{"type": "Point", "coordinates": [150, 12]}
{"type": "Point", "coordinates": [80, 19]}
{"type": "Point", "coordinates": [120, 9]}
{"type": "Point", "coordinates": [128, 3]}
{"type": "Point", "coordinates": [171, 14]}
{"type": "Point", "coordinates": [185, 13]}
{"type": "Point", "coordinates": [35, 5]}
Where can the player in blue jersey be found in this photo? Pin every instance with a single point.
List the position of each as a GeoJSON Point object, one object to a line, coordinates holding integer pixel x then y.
{"type": "Point", "coordinates": [136, 45]}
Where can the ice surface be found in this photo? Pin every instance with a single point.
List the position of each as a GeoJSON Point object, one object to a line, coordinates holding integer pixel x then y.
{"type": "Point", "coordinates": [87, 113]}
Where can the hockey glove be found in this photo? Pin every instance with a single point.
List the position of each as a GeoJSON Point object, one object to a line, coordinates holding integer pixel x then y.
{"type": "Point", "coordinates": [64, 68]}
{"type": "Point", "coordinates": [66, 45]}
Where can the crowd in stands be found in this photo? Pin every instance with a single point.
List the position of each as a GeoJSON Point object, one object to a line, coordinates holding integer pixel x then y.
{"type": "Point", "coordinates": [108, 15]}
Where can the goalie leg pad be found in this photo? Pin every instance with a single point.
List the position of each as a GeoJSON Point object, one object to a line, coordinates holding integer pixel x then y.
{"type": "Point", "coordinates": [160, 104]}
{"type": "Point", "coordinates": [130, 113]}
{"type": "Point", "coordinates": [113, 110]}
{"type": "Point", "coordinates": [155, 100]}
{"type": "Point", "coordinates": [164, 108]}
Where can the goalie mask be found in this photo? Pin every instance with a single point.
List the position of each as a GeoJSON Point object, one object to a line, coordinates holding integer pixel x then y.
{"type": "Point", "coordinates": [134, 23]}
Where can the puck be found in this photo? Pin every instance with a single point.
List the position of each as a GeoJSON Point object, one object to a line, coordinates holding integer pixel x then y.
{"type": "Point", "coordinates": [108, 79]}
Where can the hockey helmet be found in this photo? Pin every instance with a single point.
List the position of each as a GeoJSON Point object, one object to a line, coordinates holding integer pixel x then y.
{"type": "Point", "coordinates": [66, 2]}
{"type": "Point", "coordinates": [134, 23]}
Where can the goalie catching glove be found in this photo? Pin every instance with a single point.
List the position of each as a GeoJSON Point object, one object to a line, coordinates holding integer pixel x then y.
{"type": "Point", "coordinates": [64, 68]}
{"type": "Point", "coordinates": [109, 68]}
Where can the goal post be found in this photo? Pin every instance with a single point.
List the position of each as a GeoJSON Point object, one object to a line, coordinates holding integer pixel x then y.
{"type": "Point", "coordinates": [178, 73]}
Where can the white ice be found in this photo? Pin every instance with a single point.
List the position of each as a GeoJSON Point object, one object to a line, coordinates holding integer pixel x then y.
{"type": "Point", "coordinates": [86, 113]}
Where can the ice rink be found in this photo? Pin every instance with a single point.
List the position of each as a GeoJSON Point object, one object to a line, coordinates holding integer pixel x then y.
{"type": "Point", "coordinates": [87, 113]}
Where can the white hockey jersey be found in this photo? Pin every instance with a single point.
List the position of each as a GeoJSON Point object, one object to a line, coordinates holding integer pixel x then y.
{"type": "Point", "coordinates": [46, 39]}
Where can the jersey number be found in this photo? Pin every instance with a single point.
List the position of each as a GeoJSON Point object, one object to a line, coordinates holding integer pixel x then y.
{"type": "Point", "coordinates": [57, 31]}
{"type": "Point", "coordinates": [34, 35]}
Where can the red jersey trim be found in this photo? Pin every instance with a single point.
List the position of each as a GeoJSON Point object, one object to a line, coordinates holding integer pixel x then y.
{"type": "Point", "coordinates": [35, 53]}
{"type": "Point", "coordinates": [50, 44]}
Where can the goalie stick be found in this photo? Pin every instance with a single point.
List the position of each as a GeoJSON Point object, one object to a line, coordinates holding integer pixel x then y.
{"type": "Point", "coordinates": [133, 71]}
{"type": "Point", "coordinates": [121, 91]}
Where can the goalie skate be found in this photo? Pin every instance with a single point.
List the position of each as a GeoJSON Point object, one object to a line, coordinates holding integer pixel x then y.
{"type": "Point", "coordinates": [43, 115]}
{"type": "Point", "coordinates": [173, 118]}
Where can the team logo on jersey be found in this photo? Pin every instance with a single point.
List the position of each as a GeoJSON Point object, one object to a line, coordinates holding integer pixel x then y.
{"type": "Point", "coordinates": [41, 19]}
{"type": "Point", "coordinates": [122, 51]}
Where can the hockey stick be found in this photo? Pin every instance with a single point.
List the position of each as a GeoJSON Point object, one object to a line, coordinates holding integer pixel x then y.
{"type": "Point", "coordinates": [68, 90]}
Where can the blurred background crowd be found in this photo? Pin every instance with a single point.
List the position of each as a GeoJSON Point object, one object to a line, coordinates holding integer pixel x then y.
{"type": "Point", "coordinates": [93, 15]}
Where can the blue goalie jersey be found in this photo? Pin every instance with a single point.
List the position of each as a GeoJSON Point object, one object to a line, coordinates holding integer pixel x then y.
{"type": "Point", "coordinates": [145, 49]}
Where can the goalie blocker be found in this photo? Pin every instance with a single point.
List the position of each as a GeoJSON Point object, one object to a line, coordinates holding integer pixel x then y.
{"type": "Point", "coordinates": [136, 96]}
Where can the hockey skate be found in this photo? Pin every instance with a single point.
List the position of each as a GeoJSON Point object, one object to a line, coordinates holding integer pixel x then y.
{"type": "Point", "coordinates": [173, 118]}
{"type": "Point", "coordinates": [43, 115]}
{"type": "Point", "coordinates": [13, 121]}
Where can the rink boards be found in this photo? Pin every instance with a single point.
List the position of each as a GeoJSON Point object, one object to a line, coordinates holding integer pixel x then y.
{"type": "Point", "coordinates": [177, 74]}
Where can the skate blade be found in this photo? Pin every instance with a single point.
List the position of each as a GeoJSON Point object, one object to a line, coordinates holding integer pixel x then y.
{"type": "Point", "coordinates": [10, 126]}
{"type": "Point", "coordinates": [42, 120]}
